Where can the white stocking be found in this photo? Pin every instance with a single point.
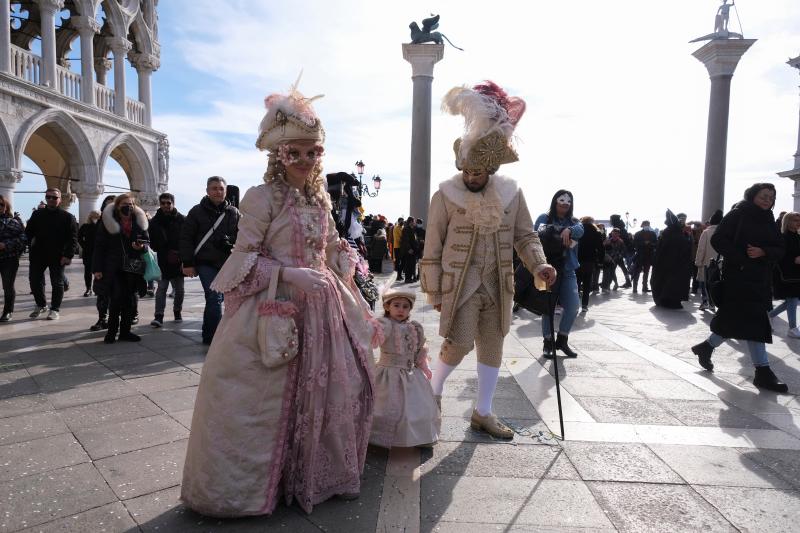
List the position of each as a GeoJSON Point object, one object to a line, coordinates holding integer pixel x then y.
{"type": "Point", "coordinates": [487, 381]}
{"type": "Point", "coordinates": [440, 374]}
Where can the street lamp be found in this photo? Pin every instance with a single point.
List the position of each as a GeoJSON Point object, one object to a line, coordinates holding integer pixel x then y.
{"type": "Point", "coordinates": [364, 189]}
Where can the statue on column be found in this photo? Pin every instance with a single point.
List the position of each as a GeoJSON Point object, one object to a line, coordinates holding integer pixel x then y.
{"type": "Point", "coordinates": [427, 35]}
{"type": "Point", "coordinates": [721, 24]}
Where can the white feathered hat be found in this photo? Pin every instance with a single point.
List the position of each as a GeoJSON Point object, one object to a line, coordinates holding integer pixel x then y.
{"type": "Point", "coordinates": [290, 117]}
{"type": "Point", "coordinates": [490, 117]}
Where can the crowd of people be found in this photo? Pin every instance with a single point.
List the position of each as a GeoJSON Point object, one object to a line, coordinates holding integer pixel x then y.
{"type": "Point", "coordinates": [290, 394]}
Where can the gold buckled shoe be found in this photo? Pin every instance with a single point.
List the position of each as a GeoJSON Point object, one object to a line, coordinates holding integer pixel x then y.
{"type": "Point", "coordinates": [491, 425]}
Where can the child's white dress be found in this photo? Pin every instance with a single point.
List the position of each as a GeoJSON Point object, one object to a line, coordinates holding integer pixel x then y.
{"type": "Point", "coordinates": [405, 412]}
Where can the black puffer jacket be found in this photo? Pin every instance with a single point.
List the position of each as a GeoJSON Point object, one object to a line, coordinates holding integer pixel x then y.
{"type": "Point", "coordinates": [590, 248]}
{"type": "Point", "coordinates": [217, 248]}
{"type": "Point", "coordinates": [165, 236]}
{"type": "Point", "coordinates": [747, 295]}
{"type": "Point", "coordinates": [86, 236]}
{"type": "Point", "coordinates": [12, 235]}
{"type": "Point", "coordinates": [111, 246]}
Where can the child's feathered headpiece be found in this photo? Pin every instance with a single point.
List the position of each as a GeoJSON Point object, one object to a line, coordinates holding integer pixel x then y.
{"type": "Point", "coordinates": [387, 293]}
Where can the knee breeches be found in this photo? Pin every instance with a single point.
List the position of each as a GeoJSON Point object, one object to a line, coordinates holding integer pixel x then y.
{"type": "Point", "coordinates": [475, 324]}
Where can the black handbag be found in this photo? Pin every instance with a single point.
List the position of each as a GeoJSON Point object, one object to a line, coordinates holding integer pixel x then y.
{"type": "Point", "coordinates": [525, 292]}
{"type": "Point", "coordinates": [714, 283]}
{"type": "Point", "coordinates": [132, 265]}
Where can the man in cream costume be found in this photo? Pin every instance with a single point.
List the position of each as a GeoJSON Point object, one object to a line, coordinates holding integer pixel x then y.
{"type": "Point", "coordinates": [475, 220]}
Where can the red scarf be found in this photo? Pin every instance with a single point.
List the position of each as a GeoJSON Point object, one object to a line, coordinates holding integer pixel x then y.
{"type": "Point", "coordinates": [126, 225]}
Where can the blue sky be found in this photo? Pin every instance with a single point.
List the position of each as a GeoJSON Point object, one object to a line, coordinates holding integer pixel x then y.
{"type": "Point", "coordinates": [617, 105]}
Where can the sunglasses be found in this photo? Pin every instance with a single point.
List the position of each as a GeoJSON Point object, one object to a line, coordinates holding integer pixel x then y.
{"type": "Point", "coordinates": [51, 197]}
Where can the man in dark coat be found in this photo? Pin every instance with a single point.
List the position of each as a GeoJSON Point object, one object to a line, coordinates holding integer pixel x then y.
{"type": "Point", "coordinates": [409, 249]}
{"type": "Point", "coordinates": [165, 235]}
{"type": "Point", "coordinates": [204, 248]}
{"type": "Point", "coordinates": [671, 266]}
{"type": "Point", "coordinates": [53, 234]}
{"type": "Point", "coordinates": [644, 244]}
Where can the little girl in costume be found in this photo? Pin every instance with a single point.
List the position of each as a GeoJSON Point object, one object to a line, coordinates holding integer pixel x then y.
{"type": "Point", "coordinates": [405, 412]}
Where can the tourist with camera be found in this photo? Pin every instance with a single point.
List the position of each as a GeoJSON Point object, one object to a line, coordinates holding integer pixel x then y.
{"type": "Point", "coordinates": [118, 263]}
{"type": "Point", "coordinates": [207, 238]}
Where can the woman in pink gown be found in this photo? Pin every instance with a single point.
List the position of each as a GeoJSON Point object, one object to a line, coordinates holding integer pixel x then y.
{"type": "Point", "coordinates": [300, 429]}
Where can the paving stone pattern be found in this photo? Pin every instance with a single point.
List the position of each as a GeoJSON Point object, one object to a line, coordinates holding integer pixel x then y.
{"type": "Point", "coordinates": [93, 436]}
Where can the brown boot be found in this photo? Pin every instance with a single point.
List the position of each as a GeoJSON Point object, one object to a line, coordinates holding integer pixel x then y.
{"type": "Point", "coordinates": [491, 425]}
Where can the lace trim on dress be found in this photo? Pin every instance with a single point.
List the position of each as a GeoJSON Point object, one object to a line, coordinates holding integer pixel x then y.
{"type": "Point", "coordinates": [226, 280]}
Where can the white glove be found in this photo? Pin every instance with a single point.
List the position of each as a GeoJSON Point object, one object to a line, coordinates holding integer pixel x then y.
{"type": "Point", "coordinates": [306, 279]}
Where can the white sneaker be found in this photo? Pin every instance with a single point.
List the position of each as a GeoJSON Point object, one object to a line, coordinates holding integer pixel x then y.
{"type": "Point", "coordinates": [52, 315]}
{"type": "Point", "coordinates": [703, 306]}
{"type": "Point", "coordinates": [37, 311]}
{"type": "Point", "coordinates": [794, 333]}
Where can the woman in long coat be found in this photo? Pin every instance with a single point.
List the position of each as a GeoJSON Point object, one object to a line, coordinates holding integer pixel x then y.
{"type": "Point", "coordinates": [672, 267]}
{"type": "Point", "coordinates": [268, 425]}
{"type": "Point", "coordinates": [749, 242]}
{"type": "Point", "coordinates": [786, 274]}
{"type": "Point", "coordinates": [123, 234]}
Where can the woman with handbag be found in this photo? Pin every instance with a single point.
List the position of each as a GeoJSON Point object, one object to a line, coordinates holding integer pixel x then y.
{"type": "Point", "coordinates": [284, 406]}
{"type": "Point", "coordinates": [750, 245]}
{"type": "Point", "coordinates": [559, 233]}
{"type": "Point", "coordinates": [786, 274]}
{"type": "Point", "coordinates": [705, 254]}
{"type": "Point", "coordinates": [119, 265]}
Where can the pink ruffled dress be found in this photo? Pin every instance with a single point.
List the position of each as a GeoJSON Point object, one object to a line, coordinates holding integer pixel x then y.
{"type": "Point", "coordinates": [298, 430]}
{"type": "Point", "coordinates": [406, 413]}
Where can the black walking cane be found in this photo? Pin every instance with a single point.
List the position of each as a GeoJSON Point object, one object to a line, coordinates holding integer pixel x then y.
{"type": "Point", "coordinates": [551, 308]}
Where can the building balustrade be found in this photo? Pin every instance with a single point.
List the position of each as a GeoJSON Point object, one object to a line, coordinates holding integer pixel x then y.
{"type": "Point", "coordinates": [28, 66]}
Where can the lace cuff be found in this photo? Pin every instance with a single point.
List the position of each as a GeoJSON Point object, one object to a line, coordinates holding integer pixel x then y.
{"type": "Point", "coordinates": [234, 271]}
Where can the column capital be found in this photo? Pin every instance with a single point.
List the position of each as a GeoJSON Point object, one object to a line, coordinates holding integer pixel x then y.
{"type": "Point", "coordinates": [10, 177]}
{"type": "Point", "coordinates": [119, 45]}
{"type": "Point", "coordinates": [88, 189]}
{"type": "Point", "coordinates": [423, 57]}
{"type": "Point", "coordinates": [85, 25]}
{"type": "Point", "coordinates": [148, 201]}
{"type": "Point", "coordinates": [721, 56]}
{"type": "Point", "coordinates": [144, 62]}
{"type": "Point", "coordinates": [103, 63]}
{"type": "Point", "coordinates": [50, 6]}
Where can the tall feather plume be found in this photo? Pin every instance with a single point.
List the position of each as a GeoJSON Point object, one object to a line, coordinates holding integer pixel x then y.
{"type": "Point", "coordinates": [386, 286]}
{"type": "Point", "coordinates": [483, 114]}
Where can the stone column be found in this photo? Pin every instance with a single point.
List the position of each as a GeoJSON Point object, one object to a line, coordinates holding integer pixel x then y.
{"type": "Point", "coordinates": [101, 67]}
{"type": "Point", "coordinates": [720, 56]}
{"type": "Point", "coordinates": [794, 174]}
{"type": "Point", "coordinates": [5, 36]}
{"type": "Point", "coordinates": [120, 49]}
{"type": "Point", "coordinates": [48, 10]}
{"type": "Point", "coordinates": [88, 197]}
{"type": "Point", "coordinates": [8, 182]}
{"type": "Point", "coordinates": [145, 65]}
{"type": "Point", "coordinates": [87, 28]}
{"type": "Point", "coordinates": [422, 58]}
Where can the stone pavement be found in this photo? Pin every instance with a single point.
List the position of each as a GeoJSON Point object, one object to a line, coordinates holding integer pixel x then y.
{"type": "Point", "coordinates": [92, 436]}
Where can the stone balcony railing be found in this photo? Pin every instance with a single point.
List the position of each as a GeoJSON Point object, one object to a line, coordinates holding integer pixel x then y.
{"type": "Point", "coordinates": [28, 67]}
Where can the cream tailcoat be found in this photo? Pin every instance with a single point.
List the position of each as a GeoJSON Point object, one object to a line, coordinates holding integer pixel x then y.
{"type": "Point", "coordinates": [455, 219]}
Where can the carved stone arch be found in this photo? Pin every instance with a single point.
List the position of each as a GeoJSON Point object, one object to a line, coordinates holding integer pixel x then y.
{"type": "Point", "coordinates": [120, 15]}
{"type": "Point", "coordinates": [131, 155]}
{"type": "Point", "coordinates": [79, 156]}
{"type": "Point", "coordinates": [141, 36]}
{"type": "Point", "coordinates": [6, 149]}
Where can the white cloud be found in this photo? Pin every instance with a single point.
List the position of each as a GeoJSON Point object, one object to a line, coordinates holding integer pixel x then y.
{"type": "Point", "coordinates": [617, 105]}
